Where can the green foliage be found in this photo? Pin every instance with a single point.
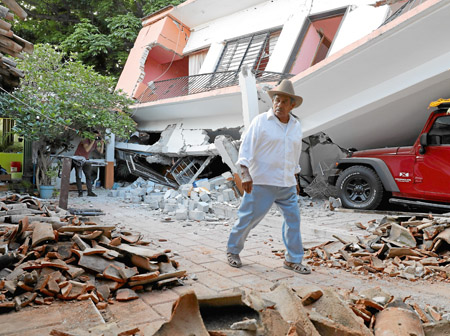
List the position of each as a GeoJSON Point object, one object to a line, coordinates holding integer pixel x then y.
{"type": "Point", "coordinates": [61, 98]}
{"type": "Point", "coordinates": [21, 186]}
{"type": "Point", "coordinates": [14, 148]}
{"type": "Point", "coordinates": [102, 32]}
{"type": "Point", "coordinates": [154, 5]}
{"type": "Point", "coordinates": [94, 47]}
{"type": "Point", "coordinates": [86, 40]}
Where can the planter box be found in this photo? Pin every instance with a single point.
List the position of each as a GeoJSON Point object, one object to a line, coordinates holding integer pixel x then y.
{"type": "Point", "coordinates": [5, 177]}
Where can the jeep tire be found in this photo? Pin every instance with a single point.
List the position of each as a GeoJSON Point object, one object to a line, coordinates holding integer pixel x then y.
{"type": "Point", "coordinates": [359, 187]}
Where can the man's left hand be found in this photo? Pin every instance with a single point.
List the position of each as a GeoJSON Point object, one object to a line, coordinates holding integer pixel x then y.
{"type": "Point", "coordinates": [297, 184]}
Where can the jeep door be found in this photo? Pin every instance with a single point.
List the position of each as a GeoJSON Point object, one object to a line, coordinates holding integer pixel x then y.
{"type": "Point", "coordinates": [432, 169]}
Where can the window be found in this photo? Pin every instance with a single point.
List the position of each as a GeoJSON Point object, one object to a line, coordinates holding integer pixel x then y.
{"type": "Point", "coordinates": [196, 60]}
{"type": "Point", "coordinates": [9, 141]}
{"type": "Point", "coordinates": [322, 48]}
{"type": "Point", "coordinates": [440, 131]}
{"type": "Point", "coordinates": [253, 51]}
{"type": "Point", "coordinates": [314, 40]}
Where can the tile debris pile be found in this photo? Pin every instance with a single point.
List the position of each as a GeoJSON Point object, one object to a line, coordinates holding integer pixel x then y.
{"type": "Point", "coordinates": [406, 247]}
{"type": "Point", "coordinates": [12, 45]}
{"type": "Point", "coordinates": [47, 253]}
{"type": "Point", "coordinates": [303, 310]}
{"type": "Point", "coordinates": [188, 202]}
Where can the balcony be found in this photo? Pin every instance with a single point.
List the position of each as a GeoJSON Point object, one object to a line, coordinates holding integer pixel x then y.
{"type": "Point", "coordinates": [188, 85]}
{"type": "Point", "coordinates": [410, 4]}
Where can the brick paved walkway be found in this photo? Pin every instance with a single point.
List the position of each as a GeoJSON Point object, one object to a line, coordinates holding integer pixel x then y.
{"type": "Point", "coordinates": [200, 249]}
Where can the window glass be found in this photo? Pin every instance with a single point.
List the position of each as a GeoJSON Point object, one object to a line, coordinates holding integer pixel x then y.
{"type": "Point", "coordinates": [440, 131]}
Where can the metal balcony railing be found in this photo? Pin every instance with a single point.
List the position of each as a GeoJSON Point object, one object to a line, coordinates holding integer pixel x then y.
{"type": "Point", "coordinates": [183, 86]}
{"type": "Point", "coordinates": [403, 9]}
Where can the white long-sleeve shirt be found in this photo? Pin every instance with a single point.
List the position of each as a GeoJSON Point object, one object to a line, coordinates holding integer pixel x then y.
{"type": "Point", "coordinates": [271, 150]}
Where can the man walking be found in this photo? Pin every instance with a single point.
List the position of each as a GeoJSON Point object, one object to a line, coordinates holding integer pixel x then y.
{"type": "Point", "coordinates": [269, 158]}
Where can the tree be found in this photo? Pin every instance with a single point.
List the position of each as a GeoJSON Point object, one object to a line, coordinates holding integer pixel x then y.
{"type": "Point", "coordinates": [61, 98]}
{"type": "Point", "coordinates": [102, 32]}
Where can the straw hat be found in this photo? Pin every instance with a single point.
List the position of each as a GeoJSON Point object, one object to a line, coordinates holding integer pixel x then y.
{"type": "Point", "coordinates": [286, 89]}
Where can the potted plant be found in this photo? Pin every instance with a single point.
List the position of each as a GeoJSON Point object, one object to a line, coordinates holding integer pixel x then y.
{"type": "Point", "coordinates": [46, 187]}
{"type": "Point", "coordinates": [60, 99]}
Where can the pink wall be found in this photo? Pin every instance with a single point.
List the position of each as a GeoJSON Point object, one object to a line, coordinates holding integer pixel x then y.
{"type": "Point", "coordinates": [153, 70]}
{"type": "Point", "coordinates": [158, 72]}
{"type": "Point", "coordinates": [307, 51]}
{"type": "Point", "coordinates": [309, 45]}
{"type": "Point", "coordinates": [174, 36]}
{"type": "Point", "coordinates": [165, 36]}
{"type": "Point", "coordinates": [329, 26]}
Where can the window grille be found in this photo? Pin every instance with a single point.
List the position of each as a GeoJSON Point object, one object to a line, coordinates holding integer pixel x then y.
{"type": "Point", "coordinates": [253, 51]}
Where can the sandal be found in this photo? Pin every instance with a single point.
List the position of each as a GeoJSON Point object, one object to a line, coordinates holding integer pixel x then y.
{"type": "Point", "coordinates": [297, 267]}
{"type": "Point", "coordinates": [234, 260]}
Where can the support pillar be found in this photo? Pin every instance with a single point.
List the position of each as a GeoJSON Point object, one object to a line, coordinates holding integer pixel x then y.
{"type": "Point", "coordinates": [109, 169]}
{"type": "Point", "coordinates": [109, 175]}
{"type": "Point", "coordinates": [65, 182]}
{"type": "Point", "coordinates": [247, 82]}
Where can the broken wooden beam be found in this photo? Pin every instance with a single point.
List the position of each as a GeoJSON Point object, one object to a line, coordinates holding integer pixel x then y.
{"type": "Point", "coordinates": [15, 8]}
{"type": "Point", "coordinates": [5, 25]}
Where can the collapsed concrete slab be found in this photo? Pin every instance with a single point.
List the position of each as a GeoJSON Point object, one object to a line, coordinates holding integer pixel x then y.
{"type": "Point", "coordinates": [174, 141]}
{"type": "Point", "coordinates": [187, 152]}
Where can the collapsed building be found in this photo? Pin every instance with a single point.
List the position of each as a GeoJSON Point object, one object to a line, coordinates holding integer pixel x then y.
{"type": "Point", "coordinates": [199, 73]}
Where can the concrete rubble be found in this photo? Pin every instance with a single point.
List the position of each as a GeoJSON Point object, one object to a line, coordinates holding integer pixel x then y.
{"type": "Point", "coordinates": [206, 199]}
{"type": "Point", "coordinates": [408, 247]}
{"type": "Point", "coordinates": [46, 253]}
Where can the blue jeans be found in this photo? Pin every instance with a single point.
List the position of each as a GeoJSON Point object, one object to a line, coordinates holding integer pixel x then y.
{"type": "Point", "coordinates": [255, 206]}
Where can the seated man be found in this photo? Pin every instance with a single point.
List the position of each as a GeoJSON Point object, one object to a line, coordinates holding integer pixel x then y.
{"type": "Point", "coordinates": [79, 161]}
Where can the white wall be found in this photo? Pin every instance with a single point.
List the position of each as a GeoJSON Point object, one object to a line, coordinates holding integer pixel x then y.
{"type": "Point", "coordinates": [212, 57]}
{"type": "Point", "coordinates": [359, 21]}
{"type": "Point", "coordinates": [213, 122]}
{"type": "Point", "coordinates": [288, 37]}
{"type": "Point", "coordinates": [288, 15]}
{"type": "Point", "coordinates": [267, 15]}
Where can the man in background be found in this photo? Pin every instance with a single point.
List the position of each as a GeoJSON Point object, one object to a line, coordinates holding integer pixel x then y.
{"type": "Point", "coordinates": [80, 161]}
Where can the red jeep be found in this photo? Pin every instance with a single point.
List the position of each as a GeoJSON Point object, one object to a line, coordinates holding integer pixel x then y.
{"type": "Point", "coordinates": [417, 175]}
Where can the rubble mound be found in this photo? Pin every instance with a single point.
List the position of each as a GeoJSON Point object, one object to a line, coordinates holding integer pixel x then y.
{"type": "Point", "coordinates": [408, 247]}
{"type": "Point", "coordinates": [305, 310]}
{"type": "Point", "coordinates": [47, 253]}
{"type": "Point", "coordinates": [203, 200]}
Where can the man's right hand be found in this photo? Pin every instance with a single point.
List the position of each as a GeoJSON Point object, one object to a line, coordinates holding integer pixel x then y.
{"type": "Point", "coordinates": [247, 181]}
{"type": "Point", "coordinates": [247, 186]}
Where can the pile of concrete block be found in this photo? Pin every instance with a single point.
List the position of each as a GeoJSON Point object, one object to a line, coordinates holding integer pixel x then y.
{"type": "Point", "coordinates": [195, 201]}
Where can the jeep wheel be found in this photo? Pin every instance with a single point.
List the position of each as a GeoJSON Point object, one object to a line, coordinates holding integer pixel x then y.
{"type": "Point", "coordinates": [359, 187]}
